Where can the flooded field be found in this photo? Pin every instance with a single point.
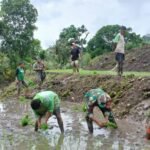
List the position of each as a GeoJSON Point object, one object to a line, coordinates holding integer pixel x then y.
{"type": "Point", "coordinates": [129, 135]}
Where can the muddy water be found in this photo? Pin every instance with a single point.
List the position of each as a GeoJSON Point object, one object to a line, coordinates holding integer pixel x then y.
{"type": "Point", "coordinates": [129, 136]}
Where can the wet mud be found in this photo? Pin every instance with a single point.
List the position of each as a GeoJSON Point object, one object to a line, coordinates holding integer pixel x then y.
{"type": "Point", "coordinates": [129, 135]}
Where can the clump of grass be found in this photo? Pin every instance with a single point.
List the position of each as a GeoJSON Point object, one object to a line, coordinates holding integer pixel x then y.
{"type": "Point", "coordinates": [31, 83]}
{"type": "Point", "coordinates": [22, 98]}
{"type": "Point", "coordinates": [94, 72]}
{"type": "Point", "coordinates": [130, 76]}
{"type": "Point", "coordinates": [25, 121]}
{"type": "Point", "coordinates": [112, 125]}
{"type": "Point", "coordinates": [84, 107]}
{"type": "Point", "coordinates": [44, 126]}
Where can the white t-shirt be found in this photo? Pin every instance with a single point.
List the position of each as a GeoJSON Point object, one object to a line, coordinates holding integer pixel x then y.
{"type": "Point", "coordinates": [119, 39]}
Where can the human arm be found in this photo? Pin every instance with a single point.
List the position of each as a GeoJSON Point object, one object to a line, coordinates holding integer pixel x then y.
{"type": "Point", "coordinates": [101, 124]}
{"type": "Point", "coordinates": [17, 72]}
{"type": "Point", "coordinates": [38, 123]}
{"type": "Point", "coordinates": [70, 58]}
{"type": "Point", "coordinates": [48, 115]}
{"type": "Point", "coordinates": [36, 67]}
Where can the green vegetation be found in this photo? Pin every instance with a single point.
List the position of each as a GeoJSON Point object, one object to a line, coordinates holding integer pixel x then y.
{"type": "Point", "coordinates": [89, 72]}
{"type": "Point", "coordinates": [60, 52]}
{"type": "Point", "coordinates": [22, 99]}
{"type": "Point", "coordinates": [102, 42]}
{"type": "Point", "coordinates": [25, 121]}
{"type": "Point", "coordinates": [111, 125]}
{"type": "Point", "coordinates": [19, 17]}
{"type": "Point", "coordinates": [44, 126]}
{"type": "Point", "coordinates": [17, 25]}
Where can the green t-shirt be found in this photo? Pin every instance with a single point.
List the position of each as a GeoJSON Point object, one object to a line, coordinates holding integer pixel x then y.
{"type": "Point", "coordinates": [20, 73]}
{"type": "Point", "coordinates": [49, 102]}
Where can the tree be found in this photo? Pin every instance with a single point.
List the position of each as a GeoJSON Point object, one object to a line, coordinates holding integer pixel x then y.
{"type": "Point", "coordinates": [66, 37]}
{"type": "Point", "coordinates": [102, 41]}
{"type": "Point", "coordinates": [19, 17]}
{"type": "Point", "coordinates": [146, 38]}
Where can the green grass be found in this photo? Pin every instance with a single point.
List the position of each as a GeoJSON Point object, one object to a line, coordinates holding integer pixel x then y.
{"type": "Point", "coordinates": [103, 72]}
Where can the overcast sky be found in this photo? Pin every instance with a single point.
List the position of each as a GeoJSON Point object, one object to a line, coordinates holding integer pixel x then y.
{"type": "Point", "coordinates": [54, 15]}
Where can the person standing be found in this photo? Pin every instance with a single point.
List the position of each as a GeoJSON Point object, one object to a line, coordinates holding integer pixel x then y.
{"type": "Point", "coordinates": [75, 56]}
{"type": "Point", "coordinates": [20, 79]}
{"type": "Point", "coordinates": [39, 68]}
{"type": "Point", "coordinates": [120, 50]}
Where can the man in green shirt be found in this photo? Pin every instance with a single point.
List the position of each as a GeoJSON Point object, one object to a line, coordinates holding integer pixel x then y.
{"type": "Point", "coordinates": [20, 78]}
{"type": "Point", "coordinates": [99, 98]}
{"type": "Point", "coordinates": [46, 103]}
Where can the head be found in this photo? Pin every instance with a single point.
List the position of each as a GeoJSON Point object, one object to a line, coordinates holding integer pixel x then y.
{"type": "Point", "coordinates": [35, 104]}
{"type": "Point", "coordinates": [38, 60]}
{"type": "Point", "coordinates": [21, 64]}
{"type": "Point", "coordinates": [108, 104]}
{"type": "Point", "coordinates": [123, 30]}
{"type": "Point", "coordinates": [73, 45]}
{"type": "Point", "coordinates": [108, 101]}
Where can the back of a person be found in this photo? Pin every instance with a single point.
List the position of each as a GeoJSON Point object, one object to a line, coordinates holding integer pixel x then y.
{"type": "Point", "coordinates": [20, 73]}
{"type": "Point", "coordinates": [47, 96]}
{"type": "Point", "coordinates": [94, 94]}
{"type": "Point", "coordinates": [75, 53]}
{"type": "Point", "coordinates": [120, 45]}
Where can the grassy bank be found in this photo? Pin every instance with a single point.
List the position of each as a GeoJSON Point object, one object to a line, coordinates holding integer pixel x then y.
{"type": "Point", "coordinates": [102, 72]}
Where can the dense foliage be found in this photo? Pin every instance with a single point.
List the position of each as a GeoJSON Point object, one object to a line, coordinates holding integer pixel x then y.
{"type": "Point", "coordinates": [18, 19]}
{"type": "Point", "coordinates": [66, 37]}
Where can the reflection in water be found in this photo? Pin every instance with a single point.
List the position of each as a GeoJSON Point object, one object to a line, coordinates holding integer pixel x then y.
{"type": "Point", "coordinates": [76, 137]}
{"type": "Point", "coordinates": [1, 107]}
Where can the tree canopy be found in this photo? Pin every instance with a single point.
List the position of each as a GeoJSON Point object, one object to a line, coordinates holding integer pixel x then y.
{"type": "Point", "coordinates": [18, 20]}
{"type": "Point", "coordinates": [66, 37]}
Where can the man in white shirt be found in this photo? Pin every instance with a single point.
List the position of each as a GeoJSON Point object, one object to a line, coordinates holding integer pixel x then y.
{"type": "Point", "coordinates": [120, 49]}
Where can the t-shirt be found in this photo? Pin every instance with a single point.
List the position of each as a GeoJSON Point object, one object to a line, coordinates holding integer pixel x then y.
{"type": "Point", "coordinates": [39, 66]}
{"type": "Point", "coordinates": [49, 102]}
{"type": "Point", "coordinates": [20, 73]}
{"type": "Point", "coordinates": [75, 54]}
{"type": "Point", "coordinates": [96, 95]}
{"type": "Point", "coordinates": [119, 39]}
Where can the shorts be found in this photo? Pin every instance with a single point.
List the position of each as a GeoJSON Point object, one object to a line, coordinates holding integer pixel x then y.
{"type": "Point", "coordinates": [75, 63]}
{"type": "Point", "coordinates": [120, 57]}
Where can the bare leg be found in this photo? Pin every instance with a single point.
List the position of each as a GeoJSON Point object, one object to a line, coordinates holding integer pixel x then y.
{"type": "Point", "coordinates": [36, 126]}
{"type": "Point", "coordinates": [89, 124]}
{"type": "Point", "coordinates": [19, 88]}
{"type": "Point", "coordinates": [60, 122]}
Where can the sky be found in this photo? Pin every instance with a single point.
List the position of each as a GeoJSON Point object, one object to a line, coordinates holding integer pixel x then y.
{"type": "Point", "coordinates": [54, 15]}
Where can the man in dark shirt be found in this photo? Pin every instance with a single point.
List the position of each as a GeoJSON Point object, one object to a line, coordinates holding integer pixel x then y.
{"type": "Point", "coordinates": [75, 56]}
